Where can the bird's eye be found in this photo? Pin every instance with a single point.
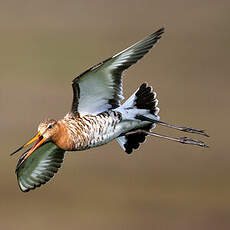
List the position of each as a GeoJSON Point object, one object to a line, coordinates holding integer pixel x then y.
{"type": "Point", "coordinates": [50, 126]}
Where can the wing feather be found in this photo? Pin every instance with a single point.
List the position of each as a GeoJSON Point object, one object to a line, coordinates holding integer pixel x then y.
{"type": "Point", "coordinates": [39, 167]}
{"type": "Point", "coordinates": [100, 87]}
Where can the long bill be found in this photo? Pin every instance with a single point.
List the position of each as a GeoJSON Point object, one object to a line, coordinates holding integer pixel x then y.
{"type": "Point", "coordinates": [39, 140]}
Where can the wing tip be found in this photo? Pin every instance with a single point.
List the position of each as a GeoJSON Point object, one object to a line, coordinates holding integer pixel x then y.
{"type": "Point", "coordinates": [159, 31]}
{"type": "Point", "coordinates": [157, 34]}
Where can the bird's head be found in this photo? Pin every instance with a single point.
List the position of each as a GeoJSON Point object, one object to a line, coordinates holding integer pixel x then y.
{"type": "Point", "coordinates": [46, 131]}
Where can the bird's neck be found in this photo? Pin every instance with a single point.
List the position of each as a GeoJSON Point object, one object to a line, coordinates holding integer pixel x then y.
{"type": "Point", "coordinates": [62, 138]}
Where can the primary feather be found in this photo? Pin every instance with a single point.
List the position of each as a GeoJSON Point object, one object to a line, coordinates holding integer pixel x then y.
{"type": "Point", "coordinates": [100, 87]}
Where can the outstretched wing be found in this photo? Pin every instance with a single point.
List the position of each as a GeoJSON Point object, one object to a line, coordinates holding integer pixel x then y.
{"type": "Point", "coordinates": [100, 87]}
{"type": "Point", "coordinates": [40, 167]}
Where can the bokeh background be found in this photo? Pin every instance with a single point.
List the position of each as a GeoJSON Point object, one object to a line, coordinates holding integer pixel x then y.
{"type": "Point", "coordinates": [164, 185]}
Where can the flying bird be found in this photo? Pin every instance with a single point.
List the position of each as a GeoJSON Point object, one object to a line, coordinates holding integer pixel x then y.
{"type": "Point", "coordinates": [97, 117]}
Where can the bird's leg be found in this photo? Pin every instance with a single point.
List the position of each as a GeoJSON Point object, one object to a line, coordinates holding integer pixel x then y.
{"type": "Point", "coordinates": [181, 128]}
{"type": "Point", "coordinates": [182, 140]}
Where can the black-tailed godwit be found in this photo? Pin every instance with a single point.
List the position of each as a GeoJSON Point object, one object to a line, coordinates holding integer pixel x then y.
{"type": "Point", "coordinates": [97, 117]}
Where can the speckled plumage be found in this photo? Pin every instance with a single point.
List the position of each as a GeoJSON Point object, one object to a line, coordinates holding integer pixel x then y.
{"type": "Point", "coordinates": [91, 130]}
{"type": "Point", "coordinates": [97, 116]}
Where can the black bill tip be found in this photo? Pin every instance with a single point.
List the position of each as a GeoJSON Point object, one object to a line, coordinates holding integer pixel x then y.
{"type": "Point", "coordinates": [21, 159]}
{"type": "Point", "coordinates": [17, 150]}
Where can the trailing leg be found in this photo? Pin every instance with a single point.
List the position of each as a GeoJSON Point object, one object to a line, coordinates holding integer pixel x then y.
{"type": "Point", "coordinates": [181, 128]}
{"type": "Point", "coordinates": [182, 140]}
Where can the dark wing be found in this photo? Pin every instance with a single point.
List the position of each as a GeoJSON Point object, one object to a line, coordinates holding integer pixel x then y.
{"type": "Point", "coordinates": [100, 87]}
{"type": "Point", "coordinates": [40, 167]}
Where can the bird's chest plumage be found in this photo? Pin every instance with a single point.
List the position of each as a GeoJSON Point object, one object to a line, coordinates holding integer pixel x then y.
{"type": "Point", "coordinates": [92, 130]}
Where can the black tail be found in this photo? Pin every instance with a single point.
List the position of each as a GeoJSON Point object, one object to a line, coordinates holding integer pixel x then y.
{"type": "Point", "coordinates": [143, 98]}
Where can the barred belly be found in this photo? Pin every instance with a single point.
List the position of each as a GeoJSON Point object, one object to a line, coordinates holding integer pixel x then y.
{"type": "Point", "coordinates": [92, 130]}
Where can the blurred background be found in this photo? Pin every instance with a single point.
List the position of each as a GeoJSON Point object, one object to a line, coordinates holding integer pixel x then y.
{"type": "Point", "coordinates": [163, 185]}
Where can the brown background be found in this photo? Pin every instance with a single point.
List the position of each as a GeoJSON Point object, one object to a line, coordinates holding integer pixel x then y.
{"type": "Point", "coordinates": [164, 185]}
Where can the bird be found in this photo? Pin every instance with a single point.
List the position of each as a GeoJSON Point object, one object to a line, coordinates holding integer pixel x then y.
{"type": "Point", "coordinates": [97, 117]}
